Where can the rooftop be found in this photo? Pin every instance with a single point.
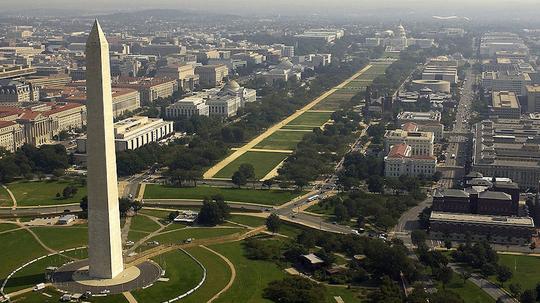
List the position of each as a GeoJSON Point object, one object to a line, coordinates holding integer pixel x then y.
{"type": "Point", "coordinates": [504, 99]}
{"type": "Point", "coordinates": [482, 219]}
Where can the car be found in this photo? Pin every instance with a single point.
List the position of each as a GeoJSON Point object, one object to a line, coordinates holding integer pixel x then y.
{"type": "Point", "coordinates": [105, 291]}
{"type": "Point", "coordinates": [334, 222]}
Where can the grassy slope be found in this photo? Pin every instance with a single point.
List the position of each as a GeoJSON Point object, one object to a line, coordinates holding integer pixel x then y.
{"type": "Point", "coordinates": [263, 163]}
{"type": "Point", "coordinates": [44, 192]}
{"type": "Point", "coordinates": [270, 197]}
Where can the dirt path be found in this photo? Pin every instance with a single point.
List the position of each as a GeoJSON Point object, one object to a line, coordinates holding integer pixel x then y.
{"type": "Point", "coordinates": [11, 196]}
{"type": "Point", "coordinates": [233, 273]}
{"type": "Point", "coordinates": [129, 297]}
{"type": "Point", "coordinates": [125, 230]}
{"type": "Point", "coordinates": [242, 150]}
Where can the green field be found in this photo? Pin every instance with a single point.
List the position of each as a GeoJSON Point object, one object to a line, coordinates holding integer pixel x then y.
{"type": "Point", "coordinates": [60, 238]}
{"type": "Point", "coordinates": [13, 244]}
{"type": "Point", "coordinates": [161, 214]}
{"type": "Point", "coordinates": [7, 226]}
{"type": "Point", "coordinates": [5, 199]}
{"type": "Point", "coordinates": [143, 223]}
{"type": "Point", "coordinates": [269, 197]}
{"type": "Point", "coordinates": [33, 273]}
{"type": "Point", "coordinates": [44, 192]}
{"type": "Point", "coordinates": [248, 220]}
{"type": "Point", "coordinates": [298, 127]}
{"type": "Point", "coordinates": [525, 270]}
{"type": "Point", "coordinates": [469, 292]}
{"type": "Point", "coordinates": [262, 162]}
{"type": "Point", "coordinates": [283, 139]}
{"type": "Point", "coordinates": [136, 236]}
{"type": "Point", "coordinates": [335, 100]}
{"type": "Point", "coordinates": [218, 275]}
{"type": "Point", "coordinates": [39, 297]}
{"type": "Point", "coordinates": [183, 273]}
{"type": "Point", "coordinates": [252, 276]}
{"type": "Point", "coordinates": [311, 118]}
{"type": "Point", "coordinates": [178, 236]}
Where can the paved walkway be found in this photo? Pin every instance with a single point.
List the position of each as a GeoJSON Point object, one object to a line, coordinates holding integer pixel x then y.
{"type": "Point", "coordinates": [11, 196]}
{"type": "Point", "coordinates": [231, 279]}
{"type": "Point", "coordinates": [242, 150]}
{"type": "Point", "coordinates": [125, 230]}
{"type": "Point", "coordinates": [274, 172]}
{"type": "Point", "coordinates": [129, 297]}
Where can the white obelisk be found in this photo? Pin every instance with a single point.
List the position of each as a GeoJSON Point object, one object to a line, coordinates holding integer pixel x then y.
{"type": "Point", "coordinates": [104, 239]}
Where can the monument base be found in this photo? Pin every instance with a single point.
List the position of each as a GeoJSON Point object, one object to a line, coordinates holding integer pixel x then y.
{"type": "Point", "coordinates": [74, 278]}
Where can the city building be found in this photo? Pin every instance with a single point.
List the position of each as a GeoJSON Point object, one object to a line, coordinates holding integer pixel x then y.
{"type": "Point", "coordinates": [323, 35]}
{"type": "Point", "coordinates": [10, 71]}
{"type": "Point", "coordinates": [150, 89]}
{"type": "Point", "coordinates": [184, 74]}
{"type": "Point", "coordinates": [11, 135]}
{"type": "Point", "coordinates": [135, 132]}
{"type": "Point", "coordinates": [400, 161]}
{"type": "Point", "coordinates": [505, 105]}
{"type": "Point", "coordinates": [437, 86]}
{"type": "Point", "coordinates": [506, 81]}
{"type": "Point", "coordinates": [12, 91]}
{"type": "Point", "coordinates": [187, 107]}
{"type": "Point", "coordinates": [533, 98]}
{"type": "Point", "coordinates": [496, 42]}
{"type": "Point", "coordinates": [223, 102]}
{"type": "Point", "coordinates": [426, 121]}
{"type": "Point", "coordinates": [508, 148]}
{"type": "Point", "coordinates": [495, 229]}
{"type": "Point", "coordinates": [211, 75]}
{"type": "Point", "coordinates": [421, 143]}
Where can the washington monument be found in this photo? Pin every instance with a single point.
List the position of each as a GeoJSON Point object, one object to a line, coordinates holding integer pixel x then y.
{"type": "Point", "coordinates": [104, 240]}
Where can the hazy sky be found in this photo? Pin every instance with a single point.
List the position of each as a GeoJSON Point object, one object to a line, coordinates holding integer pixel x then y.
{"type": "Point", "coordinates": [278, 6]}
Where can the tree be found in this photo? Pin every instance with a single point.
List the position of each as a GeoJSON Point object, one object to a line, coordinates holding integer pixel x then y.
{"type": "Point", "coordinates": [515, 289]}
{"type": "Point", "coordinates": [268, 183]}
{"type": "Point", "coordinates": [503, 274]}
{"type": "Point", "coordinates": [213, 211]}
{"type": "Point", "coordinates": [84, 204]}
{"type": "Point", "coordinates": [488, 269]}
{"type": "Point", "coordinates": [528, 296]}
{"type": "Point", "coordinates": [388, 292]}
{"type": "Point", "coordinates": [465, 275]}
{"type": "Point", "coordinates": [173, 214]}
{"type": "Point", "coordinates": [448, 244]}
{"type": "Point", "coordinates": [69, 191]}
{"type": "Point", "coordinates": [124, 204]}
{"type": "Point", "coordinates": [239, 179]}
{"type": "Point", "coordinates": [418, 237]}
{"type": "Point", "coordinates": [341, 213]}
{"type": "Point", "coordinates": [444, 275]}
{"type": "Point", "coordinates": [375, 184]}
{"type": "Point", "coordinates": [273, 222]}
{"type": "Point", "coordinates": [247, 170]}
{"type": "Point", "coordinates": [295, 290]}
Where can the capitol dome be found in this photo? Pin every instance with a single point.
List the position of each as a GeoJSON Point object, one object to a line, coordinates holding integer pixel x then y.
{"type": "Point", "coordinates": [232, 85]}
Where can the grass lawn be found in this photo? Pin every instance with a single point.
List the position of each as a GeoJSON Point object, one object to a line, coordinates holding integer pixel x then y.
{"type": "Point", "coordinates": [184, 273]}
{"type": "Point", "coordinates": [270, 197]}
{"type": "Point", "coordinates": [135, 236]}
{"type": "Point", "coordinates": [335, 100]}
{"type": "Point", "coordinates": [44, 192]}
{"type": "Point", "coordinates": [174, 226]}
{"type": "Point", "coordinates": [469, 292]}
{"type": "Point", "coordinates": [284, 139]}
{"type": "Point", "coordinates": [5, 199]}
{"type": "Point", "coordinates": [143, 223]}
{"type": "Point", "coordinates": [525, 270]}
{"type": "Point", "coordinates": [298, 127]}
{"type": "Point", "coordinates": [180, 235]}
{"type": "Point", "coordinates": [311, 118]}
{"type": "Point", "coordinates": [60, 238]}
{"type": "Point", "coordinates": [13, 245]}
{"type": "Point", "coordinates": [252, 276]}
{"type": "Point", "coordinates": [218, 275]}
{"type": "Point", "coordinates": [33, 273]}
{"type": "Point", "coordinates": [7, 226]}
{"type": "Point", "coordinates": [348, 295]}
{"type": "Point", "coordinates": [248, 220]}
{"type": "Point", "coordinates": [160, 214]}
{"type": "Point", "coordinates": [39, 297]}
{"type": "Point", "coordinates": [263, 163]}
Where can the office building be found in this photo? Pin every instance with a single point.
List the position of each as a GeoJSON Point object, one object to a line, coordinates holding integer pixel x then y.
{"type": "Point", "coordinates": [426, 122]}
{"type": "Point", "coordinates": [11, 135]}
{"type": "Point", "coordinates": [187, 107]}
{"type": "Point", "coordinates": [495, 229]}
{"type": "Point", "coordinates": [135, 132]}
{"type": "Point", "coordinates": [533, 98]}
{"type": "Point", "coordinates": [12, 91]}
{"type": "Point", "coordinates": [401, 161]}
{"type": "Point", "coordinates": [150, 89]}
{"type": "Point", "coordinates": [506, 81]}
{"type": "Point", "coordinates": [184, 74]}
{"type": "Point", "coordinates": [421, 143]}
{"type": "Point", "coordinates": [211, 75]}
{"type": "Point", "coordinates": [508, 148]}
{"type": "Point", "coordinates": [505, 105]}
